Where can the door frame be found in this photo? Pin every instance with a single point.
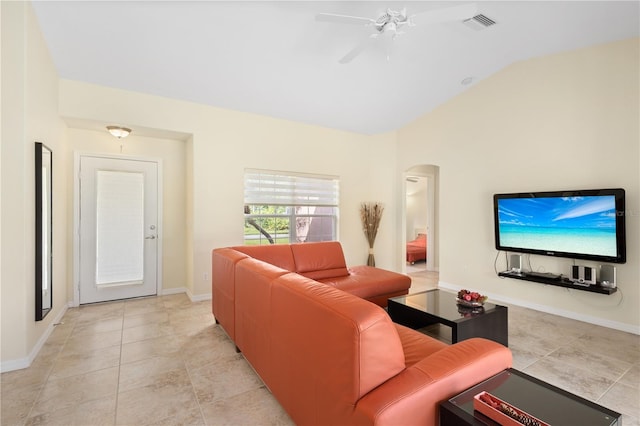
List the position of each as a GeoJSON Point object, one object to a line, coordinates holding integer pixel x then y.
{"type": "Point", "coordinates": [431, 208]}
{"type": "Point", "coordinates": [77, 156]}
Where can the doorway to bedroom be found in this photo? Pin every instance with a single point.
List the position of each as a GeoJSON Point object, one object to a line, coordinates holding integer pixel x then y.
{"type": "Point", "coordinates": [420, 249]}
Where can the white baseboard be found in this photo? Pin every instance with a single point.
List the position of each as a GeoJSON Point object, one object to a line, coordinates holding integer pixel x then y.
{"type": "Point", "coordinates": [551, 310]}
{"type": "Point", "coordinates": [19, 364]}
{"type": "Point", "coordinates": [199, 297]}
{"type": "Point", "coordinates": [15, 364]}
{"type": "Point", "coordinates": [192, 297]}
{"type": "Point", "coordinates": [169, 291]}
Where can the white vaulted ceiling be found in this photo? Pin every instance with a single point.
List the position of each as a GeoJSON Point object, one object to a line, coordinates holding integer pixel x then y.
{"type": "Point", "coordinates": [274, 58]}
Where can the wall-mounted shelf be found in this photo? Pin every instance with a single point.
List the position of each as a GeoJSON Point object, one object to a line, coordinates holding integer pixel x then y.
{"type": "Point", "coordinates": [560, 282]}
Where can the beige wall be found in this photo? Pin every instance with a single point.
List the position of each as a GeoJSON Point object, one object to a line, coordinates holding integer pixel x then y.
{"type": "Point", "coordinates": [29, 114]}
{"type": "Point", "coordinates": [566, 121]}
{"type": "Point", "coordinates": [172, 154]}
{"type": "Point", "coordinates": [224, 143]}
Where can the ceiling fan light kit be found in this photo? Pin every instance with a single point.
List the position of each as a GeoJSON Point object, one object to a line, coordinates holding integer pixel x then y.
{"type": "Point", "coordinates": [119, 132]}
{"type": "Point", "coordinates": [392, 22]}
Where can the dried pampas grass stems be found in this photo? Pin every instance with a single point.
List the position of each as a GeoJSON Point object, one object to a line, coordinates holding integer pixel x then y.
{"type": "Point", "coordinates": [371, 214]}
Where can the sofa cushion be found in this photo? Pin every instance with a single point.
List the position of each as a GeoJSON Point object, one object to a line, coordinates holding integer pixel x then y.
{"type": "Point", "coordinates": [368, 281]}
{"type": "Point", "coordinates": [319, 260]}
{"type": "Point", "coordinates": [279, 255]}
{"type": "Point", "coordinates": [416, 345]}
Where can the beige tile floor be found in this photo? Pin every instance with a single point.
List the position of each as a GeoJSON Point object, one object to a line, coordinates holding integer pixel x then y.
{"type": "Point", "coordinates": [598, 363]}
{"type": "Point", "coordinates": [163, 361]}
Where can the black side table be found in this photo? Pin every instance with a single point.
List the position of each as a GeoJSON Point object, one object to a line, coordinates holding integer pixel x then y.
{"type": "Point", "coordinates": [540, 399]}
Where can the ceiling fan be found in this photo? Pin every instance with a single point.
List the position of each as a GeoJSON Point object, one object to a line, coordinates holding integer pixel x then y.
{"type": "Point", "coordinates": [392, 22]}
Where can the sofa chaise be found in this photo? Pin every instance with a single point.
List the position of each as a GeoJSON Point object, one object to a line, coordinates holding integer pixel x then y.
{"type": "Point", "coordinates": [331, 357]}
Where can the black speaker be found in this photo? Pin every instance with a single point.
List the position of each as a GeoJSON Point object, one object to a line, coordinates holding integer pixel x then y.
{"type": "Point", "coordinates": [575, 273]}
{"type": "Point", "coordinates": [588, 272]}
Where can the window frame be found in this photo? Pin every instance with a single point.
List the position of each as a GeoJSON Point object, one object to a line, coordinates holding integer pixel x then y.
{"type": "Point", "coordinates": [292, 191]}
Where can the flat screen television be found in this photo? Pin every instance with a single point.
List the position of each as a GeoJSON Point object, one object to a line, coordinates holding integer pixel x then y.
{"type": "Point", "coordinates": [586, 224]}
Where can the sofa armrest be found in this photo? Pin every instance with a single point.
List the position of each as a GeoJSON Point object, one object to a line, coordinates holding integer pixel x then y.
{"type": "Point", "coordinates": [412, 397]}
{"type": "Point", "coordinates": [223, 281]}
{"type": "Point", "coordinates": [468, 361]}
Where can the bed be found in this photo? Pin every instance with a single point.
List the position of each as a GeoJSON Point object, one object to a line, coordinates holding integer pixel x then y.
{"type": "Point", "coordinates": [417, 249]}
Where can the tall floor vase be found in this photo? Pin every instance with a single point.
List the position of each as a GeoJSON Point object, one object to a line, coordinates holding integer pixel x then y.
{"type": "Point", "coordinates": [371, 214]}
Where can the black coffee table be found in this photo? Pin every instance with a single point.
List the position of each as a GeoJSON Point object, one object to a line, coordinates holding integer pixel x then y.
{"type": "Point", "coordinates": [436, 306]}
{"type": "Point", "coordinates": [539, 399]}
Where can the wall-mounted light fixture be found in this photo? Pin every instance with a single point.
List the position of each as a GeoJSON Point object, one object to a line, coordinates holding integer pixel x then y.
{"type": "Point", "coordinates": [119, 132]}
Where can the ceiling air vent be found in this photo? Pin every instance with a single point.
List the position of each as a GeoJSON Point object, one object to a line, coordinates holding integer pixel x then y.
{"type": "Point", "coordinates": [479, 22]}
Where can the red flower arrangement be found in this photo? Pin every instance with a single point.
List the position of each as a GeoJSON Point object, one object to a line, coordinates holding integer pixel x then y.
{"type": "Point", "coordinates": [466, 297]}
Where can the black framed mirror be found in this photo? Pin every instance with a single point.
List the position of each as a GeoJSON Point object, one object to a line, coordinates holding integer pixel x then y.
{"type": "Point", "coordinates": [44, 230]}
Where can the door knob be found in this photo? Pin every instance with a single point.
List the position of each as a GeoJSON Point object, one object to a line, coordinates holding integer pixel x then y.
{"type": "Point", "coordinates": [152, 237]}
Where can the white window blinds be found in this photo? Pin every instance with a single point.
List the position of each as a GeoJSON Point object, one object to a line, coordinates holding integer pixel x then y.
{"type": "Point", "coordinates": [119, 228]}
{"type": "Point", "coordinates": [265, 187]}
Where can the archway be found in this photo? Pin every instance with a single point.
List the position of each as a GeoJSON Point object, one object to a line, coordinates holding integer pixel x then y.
{"type": "Point", "coordinates": [421, 217]}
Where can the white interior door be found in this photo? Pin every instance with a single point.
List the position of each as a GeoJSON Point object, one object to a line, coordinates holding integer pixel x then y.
{"type": "Point", "coordinates": [118, 231]}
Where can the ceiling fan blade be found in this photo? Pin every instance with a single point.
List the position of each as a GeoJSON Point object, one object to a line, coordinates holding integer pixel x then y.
{"type": "Point", "coordinates": [447, 14]}
{"type": "Point", "coordinates": [343, 19]}
{"type": "Point", "coordinates": [358, 49]}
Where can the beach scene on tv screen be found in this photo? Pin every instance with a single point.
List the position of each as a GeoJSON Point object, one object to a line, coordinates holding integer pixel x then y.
{"type": "Point", "coordinates": [585, 225]}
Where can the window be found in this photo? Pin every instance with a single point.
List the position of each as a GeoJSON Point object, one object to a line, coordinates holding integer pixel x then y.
{"type": "Point", "coordinates": [119, 228]}
{"type": "Point", "coordinates": [283, 207]}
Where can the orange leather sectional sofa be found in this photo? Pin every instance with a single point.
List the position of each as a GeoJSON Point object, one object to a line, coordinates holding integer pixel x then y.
{"type": "Point", "coordinates": [328, 356]}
